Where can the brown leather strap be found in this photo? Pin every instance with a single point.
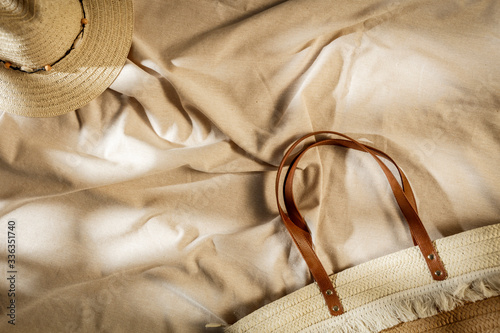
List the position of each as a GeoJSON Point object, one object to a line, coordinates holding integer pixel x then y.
{"type": "Point", "coordinates": [302, 238]}
{"type": "Point", "coordinates": [290, 204]}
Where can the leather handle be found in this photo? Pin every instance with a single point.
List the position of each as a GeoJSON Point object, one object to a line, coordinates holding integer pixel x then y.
{"type": "Point", "coordinates": [291, 206]}
{"type": "Point", "coordinates": [302, 237]}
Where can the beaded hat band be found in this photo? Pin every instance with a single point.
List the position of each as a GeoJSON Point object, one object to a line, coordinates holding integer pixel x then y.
{"type": "Point", "coordinates": [58, 55]}
{"type": "Point", "coordinates": [26, 69]}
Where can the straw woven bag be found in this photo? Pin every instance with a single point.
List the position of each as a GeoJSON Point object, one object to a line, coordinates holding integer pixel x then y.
{"type": "Point", "coordinates": [449, 285]}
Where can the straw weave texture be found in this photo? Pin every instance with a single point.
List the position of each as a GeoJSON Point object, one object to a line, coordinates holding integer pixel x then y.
{"type": "Point", "coordinates": [81, 76]}
{"type": "Point", "coordinates": [479, 317]}
{"type": "Point", "coordinates": [45, 34]}
{"type": "Point", "coordinates": [392, 289]}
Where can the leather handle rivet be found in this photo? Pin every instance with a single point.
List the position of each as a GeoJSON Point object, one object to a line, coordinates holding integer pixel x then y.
{"type": "Point", "coordinates": [438, 273]}
{"type": "Point", "coordinates": [335, 308]}
{"type": "Point", "coordinates": [431, 256]}
{"type": "Point", "coordinates": [329, 292]}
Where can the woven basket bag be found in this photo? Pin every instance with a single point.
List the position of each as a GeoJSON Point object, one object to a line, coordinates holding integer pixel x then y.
{"type": "Point", "coordinates": [448, 285]}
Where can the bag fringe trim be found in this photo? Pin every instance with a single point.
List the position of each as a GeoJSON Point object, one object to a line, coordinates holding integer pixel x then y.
{"type": "Point", "coordinates": [396, 309]}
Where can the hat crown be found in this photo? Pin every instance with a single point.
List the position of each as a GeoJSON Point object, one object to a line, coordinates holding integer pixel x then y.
{"type": "Point", "coordinates": [37, 33]}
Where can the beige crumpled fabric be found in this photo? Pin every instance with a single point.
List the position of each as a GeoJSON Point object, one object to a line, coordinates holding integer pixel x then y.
{"type": "Point", "coordinates": [152, 208]}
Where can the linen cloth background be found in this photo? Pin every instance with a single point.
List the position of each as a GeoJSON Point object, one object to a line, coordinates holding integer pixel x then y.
{"type": "Point", "coordinates": [152, 208]}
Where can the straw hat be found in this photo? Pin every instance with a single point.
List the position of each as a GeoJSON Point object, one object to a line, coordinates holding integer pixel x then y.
{"type": "Point", "coordinates": [58, 55]}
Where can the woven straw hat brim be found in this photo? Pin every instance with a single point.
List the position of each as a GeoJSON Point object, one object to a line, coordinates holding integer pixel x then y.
{"type": "Point", "coordinates": [82, 75]}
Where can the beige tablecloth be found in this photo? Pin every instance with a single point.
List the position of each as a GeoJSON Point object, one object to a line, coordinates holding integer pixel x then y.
{"type": "Point", "coordinates": [152, 208]}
